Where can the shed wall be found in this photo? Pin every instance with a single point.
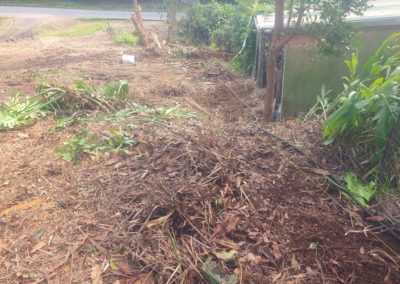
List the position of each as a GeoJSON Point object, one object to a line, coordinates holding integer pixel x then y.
{"type": "Point", "coordinates": [306, 70]}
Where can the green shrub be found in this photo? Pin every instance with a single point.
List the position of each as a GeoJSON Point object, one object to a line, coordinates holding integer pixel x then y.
{"type": "Point", "coordinates": [369, 105]}
{"type": "Point", "coordinates": [226, 27]}
{"type": "Point", "coordinates": [230, 36]}
{"type": "Point", "coordinates": [127, 38]}
{"type": "Point", "coordinates": [202, 20]}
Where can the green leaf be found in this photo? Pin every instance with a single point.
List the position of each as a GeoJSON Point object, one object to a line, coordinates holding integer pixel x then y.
{"type": "Point", "coordinates": [113, 265]}
{"type": "Point", "coordinates": [362, 193]}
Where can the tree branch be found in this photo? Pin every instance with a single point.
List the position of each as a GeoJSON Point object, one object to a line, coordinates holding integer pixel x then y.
{"type": "Point", "coordinates": [290, 14]}
{"type": "Point", "coordinates": [281, 43]}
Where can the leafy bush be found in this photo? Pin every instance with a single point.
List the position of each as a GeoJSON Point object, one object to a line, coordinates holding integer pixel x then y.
{"type": "Point", "coordinates": [225, 27]}
{"type": "Point", "coordinates": [369, 104]}
{"type": "Point", "coordinates": [202, 20]}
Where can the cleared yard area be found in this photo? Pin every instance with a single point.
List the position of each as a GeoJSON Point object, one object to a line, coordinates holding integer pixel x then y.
{"type": "Point", "coordinates": [173, 183]}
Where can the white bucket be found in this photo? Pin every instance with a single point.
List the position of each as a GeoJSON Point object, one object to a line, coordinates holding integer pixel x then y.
{"type": "Point", "coordinates": [128, 59]}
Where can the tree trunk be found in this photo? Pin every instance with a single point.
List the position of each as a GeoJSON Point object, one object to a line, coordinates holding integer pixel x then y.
{"type": "Point", "coordinates": [138, 23]}
{"type": "Point", "coordinates": [172, 20]}
{"type": "Point", "coordinates": [272, 62]}
{"type": "Point", "coordinates": [269, 98]}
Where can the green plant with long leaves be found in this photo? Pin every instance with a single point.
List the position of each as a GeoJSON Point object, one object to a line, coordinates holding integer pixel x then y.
{"type": "Point", "coordinates": [20, 111]}
{"type": "Point", "coordinates": [369, 104]}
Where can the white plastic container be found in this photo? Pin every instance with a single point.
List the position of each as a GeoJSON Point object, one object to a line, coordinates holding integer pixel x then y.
{"type": "Point", "coordinates": [128, 59]}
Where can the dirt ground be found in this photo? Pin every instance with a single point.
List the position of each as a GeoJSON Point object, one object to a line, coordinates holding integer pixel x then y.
{"type": "Point", "coordinates": [193, 192]}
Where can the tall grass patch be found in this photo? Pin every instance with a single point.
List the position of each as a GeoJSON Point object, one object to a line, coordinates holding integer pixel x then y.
{"type": "Point", "coordinates": [127, 39]}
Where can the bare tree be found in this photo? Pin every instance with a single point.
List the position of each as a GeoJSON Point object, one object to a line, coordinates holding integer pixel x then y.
{"type": "Point", "coordinates": [277, 43]}
{"type": "Point", "coordinates": [172, 19]}
{"type": "Point", "coordinates": [138, 23]}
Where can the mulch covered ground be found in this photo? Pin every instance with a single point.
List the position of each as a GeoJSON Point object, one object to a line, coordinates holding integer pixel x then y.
{"type": "Point", "coordinates": [191, 202]}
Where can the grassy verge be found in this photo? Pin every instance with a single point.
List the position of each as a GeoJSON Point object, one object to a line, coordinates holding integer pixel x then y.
{"type": "Point", "coordinates": [81, 28]}
{"type": "Point", "coordinates": [86, 4]}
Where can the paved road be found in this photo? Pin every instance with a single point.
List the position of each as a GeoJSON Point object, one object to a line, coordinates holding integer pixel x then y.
{"type": "Point", "coordinates": [34, 12]}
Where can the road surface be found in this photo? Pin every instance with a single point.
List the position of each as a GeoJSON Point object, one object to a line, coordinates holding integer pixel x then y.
{"type": "Point", "coordinates": [36, 12]}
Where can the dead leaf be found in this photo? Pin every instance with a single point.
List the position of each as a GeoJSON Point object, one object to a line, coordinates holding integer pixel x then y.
{"type": "Point", "coordinates": [4, 246]}
{"type": "Point", "coordinates": [228, 244]}
{"type": "Point", "coordinates": [38, 246]}
{"type": "Point", "coordinates": [144, 174]}
{"type": "Point", "coordinates": [7, 182]}
{"type": "Point", "coordinates": [275, 277]}
{"type": "Point", "coordinates": [112, 161]}
{"type": "Point", "coordinates": [311, 272]}
{"type": "Point", "coordinates": [228, 224]}
{"type": "Point", "coordinates": [273, 215]}
{"type": "Point", "coordinates": [254, 259]}
{"type": "Point", "coordinates": [295, 264]}
{"type": "Point", "coordinates": [250, 256]}
{"type": "Point", "coordinates": [232, 223]}
{"type": "Point", "coordinates": [218, 231]}
{"type": "Point", "coordinates": [96, 275]}
{"type": "Point", "coordinates": [157, 222]}
{"type": "Point", "coordinates": [320, 172]}
{"type": "Point", "coordinates": [362, 250]}
{"type": "Point", "coordinates": [276, 251]}
{"type": "Point", "coordinates": [144, 279]}
{"type": "Point", "coordinates": [124, 267]}
{"type": "Point", "coordinates": [226, 255]}
{"type": "Point", "coordinates": [376, 218]}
